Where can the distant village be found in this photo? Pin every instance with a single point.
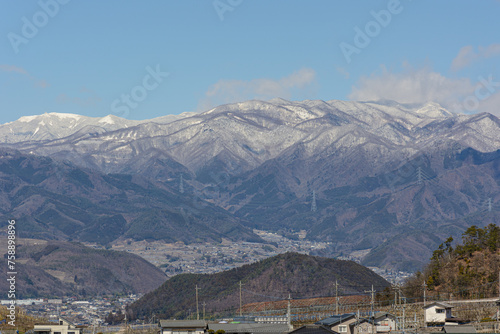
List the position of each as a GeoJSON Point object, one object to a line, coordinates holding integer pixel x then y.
{"type": "Point", "coordinates": [209, 258]}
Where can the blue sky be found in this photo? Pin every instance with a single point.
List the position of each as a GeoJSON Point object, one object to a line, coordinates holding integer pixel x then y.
{"type": "Point", "coordinates": [143, 59]}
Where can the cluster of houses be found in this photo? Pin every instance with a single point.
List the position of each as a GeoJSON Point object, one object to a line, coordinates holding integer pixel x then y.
{"type": "Point", "coordinates": [436, 314]}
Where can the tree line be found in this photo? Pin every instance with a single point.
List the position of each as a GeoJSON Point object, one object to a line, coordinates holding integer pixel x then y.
{"type": "Point", "coordinates": [468, 270]}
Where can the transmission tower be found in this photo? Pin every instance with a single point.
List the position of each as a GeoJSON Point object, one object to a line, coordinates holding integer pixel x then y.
{"type": "Point", "coordinates": [419, 175]}
{"type": "Point", "coordinates": [313, 204]}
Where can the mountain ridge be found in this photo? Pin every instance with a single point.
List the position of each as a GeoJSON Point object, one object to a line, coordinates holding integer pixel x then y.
{"type": "Point", "coordinates": [378, 169]}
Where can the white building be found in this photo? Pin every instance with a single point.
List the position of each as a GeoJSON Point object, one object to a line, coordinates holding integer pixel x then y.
{"type": "Point", "coordinates": [62, 327]}
{"type": "Point", "coordinates": [437, 313]}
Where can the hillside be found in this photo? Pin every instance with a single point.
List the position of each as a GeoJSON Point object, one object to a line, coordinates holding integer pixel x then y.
{"type": "Point", "coordinates": [57, 200]}
{"type": "Point", "coordinates": [57, 269]}
{"type": "Point", "coordinates": [274, 278]}
{"type": "Point", "coordinates": [383, 174]}
{"type": "Point", "coordinates": [468, 269]}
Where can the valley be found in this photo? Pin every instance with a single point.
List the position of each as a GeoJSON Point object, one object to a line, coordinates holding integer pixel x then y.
{"type": "Point", "coordinates": [394, 179]}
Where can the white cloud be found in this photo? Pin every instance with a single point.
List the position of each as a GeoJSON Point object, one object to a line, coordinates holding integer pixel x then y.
{"type": "Point", "coordinates": [467, 55]}
{"type": "Point", "coordinates": [23, 72]}
{"type": "Point", "coordinates": [424, 85]}
{"type": "Point", "coordinates": [229, 91]}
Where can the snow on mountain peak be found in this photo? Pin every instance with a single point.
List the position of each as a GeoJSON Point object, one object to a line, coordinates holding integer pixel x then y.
{"type": "Point", "coordinates": [107, 120]}
{"type": "Point", "coordinates": [434, 110]}
{"type": "Point", "coordinates": [64, 115]}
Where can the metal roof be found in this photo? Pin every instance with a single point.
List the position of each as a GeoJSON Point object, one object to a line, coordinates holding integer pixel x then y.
{"type": "Point", "coordinates": [442, 304]}
{"type": "Point", "coordinates": [250, 328]}
{"type": "Point", "coordinates": [335, 319]}
{"type": "Point", "coordinates": [313, 329]}
{"type": "Point", "coordinates": [183, 324]}
{"type": "Point", "coordinates": [459, 329]}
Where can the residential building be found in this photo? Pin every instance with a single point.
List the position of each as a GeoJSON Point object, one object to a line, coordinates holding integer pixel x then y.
{"type": "Point", "coordinates": [437, 313]}
{"type": "Point", "coordinates": [349, 323]}
{"type": "Point", "coordinates": [62, 327]}
{"type": "Point", "coordinates": [313, 329]}
{"type": "Point", "coordinates": [342, 323]}
{"type": "Point", "coordinates": [384, 322]}
{"type": "Point", "coordinates": [182, 326]}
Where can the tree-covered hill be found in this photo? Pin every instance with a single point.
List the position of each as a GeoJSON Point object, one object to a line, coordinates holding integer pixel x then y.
{"type": "Point", "coordinates": [467, 270]}
{"type": "Point", "coordinates": [274, 278]}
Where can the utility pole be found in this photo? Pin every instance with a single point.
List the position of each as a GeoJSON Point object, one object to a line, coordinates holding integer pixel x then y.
{"type": "Point", "coordinates": [404, 319]}
{"type": "Point", "coordinates": [425, 288]}
{"type": "Point", "coordinates": [181, 185]}
{"type": "Point", "coordinates": [204, 310]}
{"type": "Point", "coordinates": [289, 314]}
{"type": "Point", "coordinates": [498, 303]}
{"type": "Point", "coordinates": [240, 297]}
{"type": "Point", "coordinates": [336, 297]}
{"type": "Point", "coordinates": [489, 204]}
{"type": "Point", "coordinates": [197, 308]}
{"type": "Point", "coordinates": [372, 303]}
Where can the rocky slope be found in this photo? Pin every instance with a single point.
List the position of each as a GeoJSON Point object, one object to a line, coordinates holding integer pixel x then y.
{"type": "Point", "coordinates": [58, 200]}
{"type": "Point", "coordinates": [383, 174]}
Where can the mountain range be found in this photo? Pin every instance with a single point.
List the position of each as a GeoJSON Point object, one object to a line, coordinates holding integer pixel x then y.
{"type": "Point", "coordinates": [391, 179]}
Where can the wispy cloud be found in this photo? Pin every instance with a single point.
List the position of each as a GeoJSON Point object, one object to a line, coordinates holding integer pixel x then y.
{"type": "Point", "coordinates": [12, 68]}
{"type": "Point", "coordinates": [86, 98]}
{"type": "Point", "coordinates": [19, 70]}
{"type": "Point", "coordinates": [424, 85]}
{"type": "Point", "coordinates": [344, 72]}
{"type": "Point", "coordinates": [229, 91]}
{"type": "Point", "coordinates": [409, 86]}
{"type": "Point", "coordinates": [467, 55]}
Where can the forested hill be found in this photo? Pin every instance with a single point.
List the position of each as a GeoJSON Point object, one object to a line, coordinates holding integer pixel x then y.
{"type": "Point", "coordinates": [274, 278]}
{"type": "Point", "coordinates": [467, 270]}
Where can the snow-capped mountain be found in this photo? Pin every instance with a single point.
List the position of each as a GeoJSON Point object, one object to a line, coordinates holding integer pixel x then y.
{"type": "Point", "coordinates": [384, 174]}
{"type": "Point", "coordinates": [250, 133]}
{"type": "Point", "coordinates": [50, 126]}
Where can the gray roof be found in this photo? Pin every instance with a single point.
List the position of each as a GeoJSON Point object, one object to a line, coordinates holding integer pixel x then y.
{"type": "Point", "coordinates": [459, 329]}
{"type": "Point", "coordinates": [335, 319]}
{"type": "Point", "coordinates": [313, 329]}
{"type": "Point", "coordinates": [442, 304]}
{"type": "Point", "coordinates": [183, 324]}
{"type": "Point", "coordinates": [250, 328]}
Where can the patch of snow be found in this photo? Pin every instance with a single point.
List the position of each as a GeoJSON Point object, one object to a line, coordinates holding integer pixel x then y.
{"type": "Point", "coordinates": [107, 120]}
{"type": "Point", "coordinates": [26, 119]}
{"type": "Point", "coordinates": [65, 115]}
